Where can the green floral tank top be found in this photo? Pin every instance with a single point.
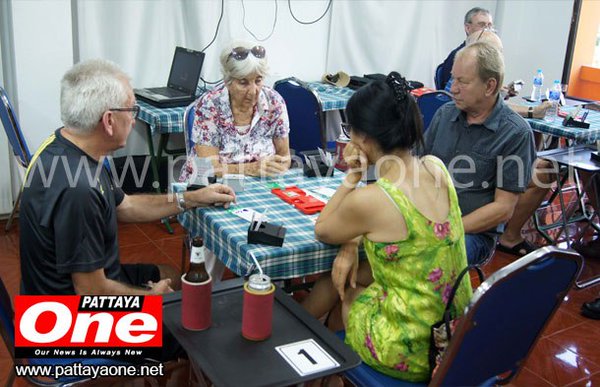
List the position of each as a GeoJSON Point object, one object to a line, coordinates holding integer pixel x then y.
{"type": "Point", "coordinates": [389, 323]}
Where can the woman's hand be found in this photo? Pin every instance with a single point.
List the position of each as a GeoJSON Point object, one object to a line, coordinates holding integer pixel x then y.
{"type": "Point", "coordinates": [270, 166]}
{"type": "Point", "coordinates": [344, 265]}
{"type": "Point", "coordinates": [357, 163]}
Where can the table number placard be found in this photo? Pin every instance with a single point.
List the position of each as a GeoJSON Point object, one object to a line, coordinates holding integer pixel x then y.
{"type": "Point", "coordinates": [307, 357]}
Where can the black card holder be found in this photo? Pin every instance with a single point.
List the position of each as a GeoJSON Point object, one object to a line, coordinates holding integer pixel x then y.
{"type": "Point", "coordinates": [317, 167]}
{"type": "Point", "coordinates": [569, 121]}
{"type": "Point", "coordinates": [267, 234]}
{"type": "Point", "coordinates": [193, 187]}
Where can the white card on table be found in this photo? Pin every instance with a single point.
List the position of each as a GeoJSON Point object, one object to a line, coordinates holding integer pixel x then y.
{"type": "Point", "coordinates": [248, 214]}
{"type": "Point", "coordinates": [307, 357]}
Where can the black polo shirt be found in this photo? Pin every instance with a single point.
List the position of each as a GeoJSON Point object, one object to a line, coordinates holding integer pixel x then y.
{"type": "Point", "coordinates": [67, 220]}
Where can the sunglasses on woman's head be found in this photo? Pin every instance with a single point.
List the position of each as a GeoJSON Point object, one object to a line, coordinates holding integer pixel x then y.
{"type": "Point", "coordinates": [241, 53]}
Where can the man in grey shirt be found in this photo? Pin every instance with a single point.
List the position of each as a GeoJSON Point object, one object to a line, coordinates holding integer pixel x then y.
{"type": "Point", "coordinates": [488, 148]}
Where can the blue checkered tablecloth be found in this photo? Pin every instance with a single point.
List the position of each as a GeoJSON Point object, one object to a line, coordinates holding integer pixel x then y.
{"type": "Point", "coordinates": [332, 97]}
{"type": "Point", "coordinates": [226, 234]}
{"type": "Point", "coordinates": [556, 128]}
{"type": "Point", "coordinates": [162, 120]}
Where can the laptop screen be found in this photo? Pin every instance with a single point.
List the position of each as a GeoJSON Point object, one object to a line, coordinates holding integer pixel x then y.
{"type": "Point", "coordinates": [185, 70]}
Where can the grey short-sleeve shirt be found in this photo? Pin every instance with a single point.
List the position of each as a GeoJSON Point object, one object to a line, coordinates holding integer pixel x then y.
{"type": "Point", "coordinates": [482, 157]}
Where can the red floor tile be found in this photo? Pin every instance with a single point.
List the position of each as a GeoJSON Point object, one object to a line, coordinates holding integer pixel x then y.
{"type": "Point", "coordinates": [144, 253]}
{"type": "Point", "coordinates": [558, 365]}
{"type": "Point", "coordinates": [581, 339]}
{"type": "Point", "coordinates": [172, 247]}
{"type": "Point", "coordinates": [157, 231]}
{"type": "Point", "coordinates": [593, 380]}
{"type": "Point", "coordinates": [526, 378]}
{"type": "Point", "coordinates": [561, 321]}
{"type": "Point", "coordinates": [130, 234]}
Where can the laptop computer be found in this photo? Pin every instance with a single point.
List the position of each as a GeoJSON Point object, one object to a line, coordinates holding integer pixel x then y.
{"type": "Point", "coordinates": [182, 83]}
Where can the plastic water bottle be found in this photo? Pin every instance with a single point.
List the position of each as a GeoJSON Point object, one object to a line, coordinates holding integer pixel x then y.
{"type": "Point", "coordinates": [538, 81]}
{"type": "Point", "coordinates": [554, 98]}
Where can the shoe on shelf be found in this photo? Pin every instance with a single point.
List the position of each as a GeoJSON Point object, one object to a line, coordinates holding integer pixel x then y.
{"type": "Point", "coordinates": [591, 309]}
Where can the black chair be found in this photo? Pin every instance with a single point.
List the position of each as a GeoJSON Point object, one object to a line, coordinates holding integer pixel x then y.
{"type": "Point", "coordinates": [307, 121]}
{"type": "Point", "coordinates": [429, 103]}
{"type": "Point", "coordinates": [501, 324]}
{"type": "Point", "coordinates": [16, 140]}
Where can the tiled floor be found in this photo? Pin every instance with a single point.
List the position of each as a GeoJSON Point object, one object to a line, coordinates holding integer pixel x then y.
{"type": "Point", "coordinates": [567, 354]}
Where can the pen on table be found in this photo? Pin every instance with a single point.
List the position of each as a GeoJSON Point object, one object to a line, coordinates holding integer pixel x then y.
{"type": "Point", "coordinates": [260, 220]}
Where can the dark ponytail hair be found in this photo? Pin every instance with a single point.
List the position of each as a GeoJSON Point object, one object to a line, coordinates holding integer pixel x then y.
{"type": "Point", "coordinates": [387, 113]}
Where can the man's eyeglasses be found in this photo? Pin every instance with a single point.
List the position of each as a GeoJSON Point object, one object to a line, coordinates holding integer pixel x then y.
{"type": "Point", "coordinates": [135, 110]}
{"type": "Point", "coordinates": [241, 53]}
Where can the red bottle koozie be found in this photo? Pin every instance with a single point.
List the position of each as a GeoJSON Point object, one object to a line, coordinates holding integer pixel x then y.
{"type": "Point", "coordinates": [196, 304]}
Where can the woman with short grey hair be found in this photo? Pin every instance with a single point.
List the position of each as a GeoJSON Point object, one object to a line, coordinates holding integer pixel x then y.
{"type": "Point", "coordinates": [242, 126]}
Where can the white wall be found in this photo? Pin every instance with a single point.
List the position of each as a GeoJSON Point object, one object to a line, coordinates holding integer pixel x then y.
{"type": "Point", "coordinates": [43, 51]}
{"type": "Point", "coordinates": [534, 34]}
{"type": "Point", "coordinates": [411, 37]}
{"type": "Point", "coordinates": [142, 35]}
{"type": "Point", "coordinates": [5, 186]}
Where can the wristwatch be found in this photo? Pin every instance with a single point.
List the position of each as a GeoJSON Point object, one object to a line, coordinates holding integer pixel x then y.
{"type": "Point", "coordinates": [180, 201]}
{"type": "Point", "coordinates": [530, 112]}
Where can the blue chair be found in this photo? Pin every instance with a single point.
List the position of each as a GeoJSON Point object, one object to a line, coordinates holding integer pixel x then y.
{"type": "Point", "coordinates": [188, 125]}
{"type": "Point", "coordinates": [16, 140]}
{"type": "Point", "coordinates": [307, 121]}
{"type": "Point", "coordinates": [501, 324]}
{"type": "Point", "coordinates": [429, 103]}
{"type": "Point", "coordinates": [438, 77]}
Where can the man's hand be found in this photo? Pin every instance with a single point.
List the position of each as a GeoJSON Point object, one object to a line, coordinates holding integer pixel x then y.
{"type": "Point", "coordinates": [344, 265]}
{"type": "Point", "coordinates": [214, 194]}
{"type": "Point", "coordinates": [160, 287]}
{"type": "Point", "coordinates": [539, 111]}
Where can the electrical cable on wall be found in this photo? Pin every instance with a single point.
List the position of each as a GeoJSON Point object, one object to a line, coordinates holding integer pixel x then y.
{"type": "Point", "coordinates": [309, 22]}
{"type": "Point", "coordinates": [218, 26]}
{"type": "Point", "coordinates": [210, 82]}
{"type": "Point", "coordinates": [250, 32]}
{"type": "Point", "coordinates": [211, 42]}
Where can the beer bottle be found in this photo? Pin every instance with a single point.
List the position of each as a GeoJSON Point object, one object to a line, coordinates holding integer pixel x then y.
{"type": "Point", "coordinates": [197, 272]}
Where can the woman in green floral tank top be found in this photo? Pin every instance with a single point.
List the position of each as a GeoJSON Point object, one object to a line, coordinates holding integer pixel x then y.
{"type": "Point", "coordinates": [411, 226]}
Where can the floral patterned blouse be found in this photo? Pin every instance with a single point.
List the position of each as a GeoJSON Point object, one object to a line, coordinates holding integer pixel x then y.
{"type": "Point", "coordinates": [213, 126]}
{"type": "Point", "coordinates": [389, 323]}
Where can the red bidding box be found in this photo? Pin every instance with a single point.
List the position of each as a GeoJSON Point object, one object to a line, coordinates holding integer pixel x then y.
{"type": "Point", "coordinates": [299, 199]}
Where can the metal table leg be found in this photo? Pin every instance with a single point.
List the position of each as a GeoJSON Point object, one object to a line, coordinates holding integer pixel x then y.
{"type": "Point", "coordinates": [155, 175]}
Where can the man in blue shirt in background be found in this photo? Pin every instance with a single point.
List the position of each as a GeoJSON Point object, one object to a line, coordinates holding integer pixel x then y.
{"type": "Point", "coordinates": [476, 19]}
